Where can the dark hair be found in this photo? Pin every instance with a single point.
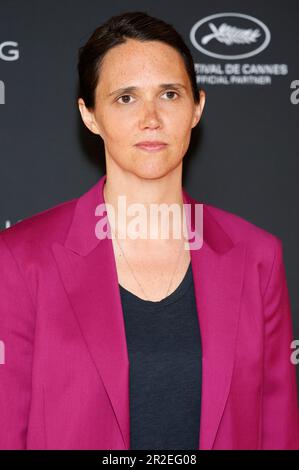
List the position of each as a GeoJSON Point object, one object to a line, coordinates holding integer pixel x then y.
{"type": "Point", "coordinates": [134, 25]}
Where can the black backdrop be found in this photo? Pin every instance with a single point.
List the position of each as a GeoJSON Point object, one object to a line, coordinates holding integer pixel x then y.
{"type": "Point", "coordinates": [244, 154]}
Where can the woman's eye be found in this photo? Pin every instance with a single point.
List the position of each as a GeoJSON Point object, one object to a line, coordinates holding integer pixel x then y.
{"type": "Point", "coordinates": [126, 99]}
{"type": "Point", "coordinates": [170, 94]}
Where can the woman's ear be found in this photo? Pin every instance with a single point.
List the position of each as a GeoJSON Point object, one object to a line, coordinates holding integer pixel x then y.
{"type": "Point", "coordinates": [199, 107]}
{"type": "Point", "coordinates": [88, 117]}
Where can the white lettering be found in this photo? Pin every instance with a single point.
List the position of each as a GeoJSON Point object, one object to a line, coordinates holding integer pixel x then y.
{"type": "Point", "coordinates": [2, 92]}
{"type": "Point", "coordinates": [12, 53]}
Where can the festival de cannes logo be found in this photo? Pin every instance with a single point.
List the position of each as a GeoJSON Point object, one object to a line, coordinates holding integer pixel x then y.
{"type": "Point", "coordinates": [230, 36]}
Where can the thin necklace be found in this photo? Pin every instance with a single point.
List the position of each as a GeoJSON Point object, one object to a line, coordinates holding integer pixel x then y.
{"type": "Point", "coordinates": [147, 298]}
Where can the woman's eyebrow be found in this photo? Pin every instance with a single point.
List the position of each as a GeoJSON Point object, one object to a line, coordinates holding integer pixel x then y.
{"type": "Point", "coordinates": [162, 86]}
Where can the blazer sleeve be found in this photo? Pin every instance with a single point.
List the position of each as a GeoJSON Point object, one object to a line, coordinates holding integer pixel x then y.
{"type": "Point", "coordinates": [16, 336]}
{"type": "Point", "coordinates": [280, 415]}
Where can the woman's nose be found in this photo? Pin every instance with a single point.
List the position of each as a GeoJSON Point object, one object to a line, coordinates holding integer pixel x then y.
{"type": "Point", "coordinates": [150, 116]}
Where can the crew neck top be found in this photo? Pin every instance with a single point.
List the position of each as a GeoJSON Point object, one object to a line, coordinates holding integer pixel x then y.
{"type": "Point", "coordinates": [164, 349]}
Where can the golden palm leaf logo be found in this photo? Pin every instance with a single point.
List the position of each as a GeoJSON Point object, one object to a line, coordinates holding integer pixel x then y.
{"type": "Point", "coordinates": [231, 35]}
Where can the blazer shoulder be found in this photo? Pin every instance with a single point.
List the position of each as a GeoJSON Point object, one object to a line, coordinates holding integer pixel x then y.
{"type": "Point", "coordinates": [41, 229]}
{"type": "Point", "coordinates": [263, 247]}
{"type": "Point", "coordinates": [261, 243]}
{"type": "Point", "coordinates": [240, 228]}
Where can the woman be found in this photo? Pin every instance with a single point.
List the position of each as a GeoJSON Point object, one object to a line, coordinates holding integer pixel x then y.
{"type": "Point", "coordinates": [140, 343]}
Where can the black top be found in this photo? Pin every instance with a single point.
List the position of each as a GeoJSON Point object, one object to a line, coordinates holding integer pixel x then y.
{"type": "Point", "coordinates": [164, 348]}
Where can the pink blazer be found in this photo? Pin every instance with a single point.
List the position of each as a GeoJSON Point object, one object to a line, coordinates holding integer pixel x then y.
{"type": "Point", "coordinates": [65, 380]}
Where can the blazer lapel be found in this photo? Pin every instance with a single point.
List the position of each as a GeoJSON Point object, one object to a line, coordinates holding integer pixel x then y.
{"type": "Point", "coordinates": [218, 280]}
{"type": "Point", "coordinates": [88, 271]}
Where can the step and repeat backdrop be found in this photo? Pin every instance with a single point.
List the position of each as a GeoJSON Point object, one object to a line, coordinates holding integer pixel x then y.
{"type": "Point", "coordinates": [243, 155]}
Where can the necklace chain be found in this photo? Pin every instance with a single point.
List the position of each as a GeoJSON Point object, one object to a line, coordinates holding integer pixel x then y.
{"type": "Point", "coordinates": [125, 258]}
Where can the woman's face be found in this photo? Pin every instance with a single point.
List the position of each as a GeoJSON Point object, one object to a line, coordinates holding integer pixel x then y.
{"type": "Point", "coordinates": [159, 107]}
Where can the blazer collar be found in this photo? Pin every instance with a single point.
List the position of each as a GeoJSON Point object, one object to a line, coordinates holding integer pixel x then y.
{"type": "Point", "coordinates": [84, 216]}
{"type": "Point", "coordinates": [88, 272]}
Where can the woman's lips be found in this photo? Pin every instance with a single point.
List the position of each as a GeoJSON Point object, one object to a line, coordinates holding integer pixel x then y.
{"type": "Point", "coordinates": [151, 146]}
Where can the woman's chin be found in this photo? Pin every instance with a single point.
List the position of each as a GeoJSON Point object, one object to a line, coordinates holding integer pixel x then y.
{"type": "Point", "coordinates": [151, 171]}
